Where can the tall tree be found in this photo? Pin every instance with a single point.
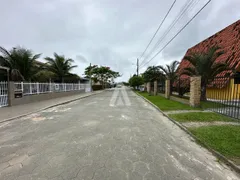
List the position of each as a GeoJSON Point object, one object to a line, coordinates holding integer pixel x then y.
{"type": "Point", "coordinates": [21, 62]}
{"type": "Point", "coordinates": [170, 72]}
{"type": "Point", "coordinates": [204, 64]}
{"type": "Point", "coordinates": [89, 70]}
{"type": "Point", "coordinates": [60, 66]}
{"type": "Point", "coordinates": [102, 74]}
{"type": "Point", "coordinates": [153, 73]}
{"type": "Point", "coordinates": [44, 76]}
{"type": "Point", "coordinates": [136, 81]}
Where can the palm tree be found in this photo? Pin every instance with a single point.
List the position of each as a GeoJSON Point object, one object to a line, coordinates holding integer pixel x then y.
{"type": "Point", "coordinates": [43, 76]}
{"type": "Point", "coordinates": [60, 66]}
{"type": "Point", "coordinates": [204, 64]}
{"type": "Point", "coordinates": [170, 72]}
{"type": "Point", "coordinates": [20, 61]}
{"type": "Point", "coordinates": [152, 73]}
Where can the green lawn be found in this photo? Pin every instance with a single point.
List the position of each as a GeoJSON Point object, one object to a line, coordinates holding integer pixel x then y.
{"type": "Point", "coordinates": [224, 139]}
{"type": "Point", "coordinates": [199, 116]}
{"type": "Point", "coordinates": [166, 104]}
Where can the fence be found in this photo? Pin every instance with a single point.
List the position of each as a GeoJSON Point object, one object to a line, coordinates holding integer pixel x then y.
{"type": "Point", "coordinates": [223, 96]}
{"type": "Point", "coordinates": [39, 88]}
{"type": "Point", "coordinates": [181, 87]}
{"type": "Point", "coordinates": [161, 86]}
{"type": "Point", "coordinates": [3, 94]}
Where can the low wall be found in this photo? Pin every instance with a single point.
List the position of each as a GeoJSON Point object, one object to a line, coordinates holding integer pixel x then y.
{"type": "Point", "coordinates": [37, 97]}
{"type": "Point", "coordinates": [181, 100]}
{"type": "Point", "coordinates": [161, 94]}
{"type": "Point", "coordinates": [178, 99]}
{"type": "Point", "coordinates": [42, 97]}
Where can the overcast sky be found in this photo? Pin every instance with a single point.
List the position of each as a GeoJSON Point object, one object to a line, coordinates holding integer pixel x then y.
{"type": "Point", "coordinates": [108, 32]}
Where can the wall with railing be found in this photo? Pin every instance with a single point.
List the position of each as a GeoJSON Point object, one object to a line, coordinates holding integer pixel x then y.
{"type": "Point", "coordinates": [25, 92]}
{"type": "Point", "coordinates": [3, 94]}
{"type": "Point", "coordinates": [40, 88]}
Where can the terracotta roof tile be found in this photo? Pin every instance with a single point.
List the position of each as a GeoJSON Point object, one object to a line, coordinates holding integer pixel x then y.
{"type": "Point", "coordinates": [228, 39]}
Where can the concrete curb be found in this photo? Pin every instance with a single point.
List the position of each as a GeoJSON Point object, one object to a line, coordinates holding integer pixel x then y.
{"type": "Point", "coordinates": [215, 153]}
{"type": "Point", "coordinates": [57, 104]}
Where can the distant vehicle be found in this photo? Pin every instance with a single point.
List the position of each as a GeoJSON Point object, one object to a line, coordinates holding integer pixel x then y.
{"type": "Point", "coordinates": [119, 86]}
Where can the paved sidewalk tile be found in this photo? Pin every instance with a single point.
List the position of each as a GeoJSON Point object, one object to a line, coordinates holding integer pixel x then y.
{"type": "Point", "coordinates": [14, 111]}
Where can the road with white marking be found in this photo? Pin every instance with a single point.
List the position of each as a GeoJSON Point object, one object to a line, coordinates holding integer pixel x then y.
{"type": "Point", "coordinates": [112, 135]}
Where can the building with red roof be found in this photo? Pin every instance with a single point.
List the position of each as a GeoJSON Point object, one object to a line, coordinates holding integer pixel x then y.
{"type": "Point", "coordinates": [229, 40]}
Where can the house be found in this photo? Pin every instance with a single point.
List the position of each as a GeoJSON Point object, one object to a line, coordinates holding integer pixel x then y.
{"type": "Point", "coordinates": [84, 81]}
{"type": "Point", "coordinates": [226, 84]}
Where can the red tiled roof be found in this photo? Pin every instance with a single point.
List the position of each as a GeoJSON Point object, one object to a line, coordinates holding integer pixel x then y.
{"type": "Point", "coordinates": [228, 39]}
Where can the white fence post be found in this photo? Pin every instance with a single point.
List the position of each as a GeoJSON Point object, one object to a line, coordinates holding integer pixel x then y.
{"type": "Point", "coordinates": [22, 86]}
{"type": "Point", "coordinates": [30, 88]}
{"type": "Point", "coordinates": [50, 86]}
{"type": "Point", "coordinates": [37, 87]}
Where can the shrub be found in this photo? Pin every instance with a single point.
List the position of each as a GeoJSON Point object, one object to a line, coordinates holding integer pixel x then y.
{"type": "Point", "coordinates": [96, 87]}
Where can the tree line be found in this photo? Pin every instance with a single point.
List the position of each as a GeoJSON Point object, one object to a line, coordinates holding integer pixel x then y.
{"type": "Point", "coordinates": [102, 74]}
{"type": "Point", "coordinates": [24, 65]}
{"type": "Point", "coordinates": [201, 64]}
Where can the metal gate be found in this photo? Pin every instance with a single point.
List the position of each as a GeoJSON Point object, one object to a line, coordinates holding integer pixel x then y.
{"type": "Point", "coordinates": [3, 94]}
{"type": "Point", "coordinates": [161, 86]}
{"type": "Point", "coordinates": [223, 96]}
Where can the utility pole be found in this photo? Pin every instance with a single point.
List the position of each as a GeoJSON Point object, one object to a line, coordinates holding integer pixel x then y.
{"type": "Point", "coordinates": [137, 67]}
{"type": "Point", "coordinates": [90, 77]}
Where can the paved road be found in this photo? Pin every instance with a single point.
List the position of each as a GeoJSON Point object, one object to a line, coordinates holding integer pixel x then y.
{"type": "Point", "coordinates": [114, 135]}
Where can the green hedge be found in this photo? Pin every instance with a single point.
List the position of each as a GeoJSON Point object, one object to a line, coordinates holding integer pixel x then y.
{"type": "Point", "coordinates": [96, 87]}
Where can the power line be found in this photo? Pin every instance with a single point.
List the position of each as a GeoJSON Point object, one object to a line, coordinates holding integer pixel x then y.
{"type": "Point", "coordinates": [160, 25]}
{"type": "Point", "coordinates": [178, 32]}
{"type": "Point", "coordinates": [178, 17]}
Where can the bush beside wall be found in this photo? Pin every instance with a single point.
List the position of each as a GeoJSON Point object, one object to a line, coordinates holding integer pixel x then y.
{"type": "Point", "coordinates": [96, 87]}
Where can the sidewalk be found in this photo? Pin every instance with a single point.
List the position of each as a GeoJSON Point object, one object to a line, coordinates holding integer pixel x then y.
{"type": "Point", "coordinates": [8, 113]}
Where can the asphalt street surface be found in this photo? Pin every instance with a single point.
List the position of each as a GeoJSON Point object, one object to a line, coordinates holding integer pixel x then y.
{"type": "Point", "coordinates": [114, 135]}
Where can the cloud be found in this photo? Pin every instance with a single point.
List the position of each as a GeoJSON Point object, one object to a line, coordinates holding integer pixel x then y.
{"type": "Point", "coordinates": [107, 32]}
